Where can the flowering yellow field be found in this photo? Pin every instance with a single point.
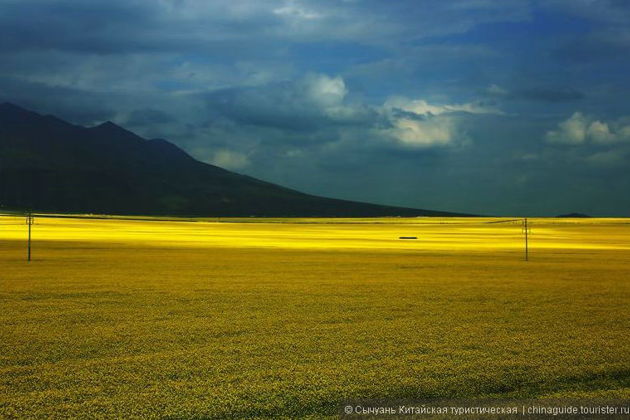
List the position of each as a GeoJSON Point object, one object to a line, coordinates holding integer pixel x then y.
{"type": "Point", "coordinates": [260, 318]}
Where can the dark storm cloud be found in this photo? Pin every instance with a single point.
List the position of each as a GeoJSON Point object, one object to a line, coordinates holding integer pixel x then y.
{"type": "Point", "coordinates": [140, 25]}
{"type": "Point", "coordinates": [72, 25]}
{"type": "Point", "coordinates": [127, 27]}
{"type": "Point", "coordinates": [302, 105]}
{"type": "Point", "coordinates": [80, 107]}
{"type": "Point", "coordinates": [550, 94]}
{"type": "Point", "coordinates": [413, 102]}
{"type": "Point", "coordinates": [608, 39]}
{"type": "Point", "coordinates": [147, 116]}
{"type": "Point", "coordinates": [278, 106]}
{"type": "Point", "coordinates": [541, 94]}
{"type": "Point", "coordinates": [610, 45]}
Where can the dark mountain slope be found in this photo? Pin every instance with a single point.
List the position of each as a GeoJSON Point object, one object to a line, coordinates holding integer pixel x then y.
{"type": "Point", "coordinates": [47, 164]}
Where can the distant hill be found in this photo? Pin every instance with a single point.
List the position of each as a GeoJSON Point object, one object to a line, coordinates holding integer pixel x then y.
{"type": "Point", "coordinates": [47, 164]}
{"type": "Point", "coordinates": [574, 216]}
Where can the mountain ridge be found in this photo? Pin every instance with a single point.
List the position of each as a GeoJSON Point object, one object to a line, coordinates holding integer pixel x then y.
{"type": "Point", "coordinates": [48, 164]}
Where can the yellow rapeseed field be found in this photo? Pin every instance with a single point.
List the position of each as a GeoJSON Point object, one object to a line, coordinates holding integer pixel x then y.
{"type": "Point", "coordinates": [242, 318]}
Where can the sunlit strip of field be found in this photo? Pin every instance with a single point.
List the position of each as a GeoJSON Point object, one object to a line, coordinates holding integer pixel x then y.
{"type": "Point", "coordinates": [429, 233]}
{"type": "Point", "coordinates": [259, 319]}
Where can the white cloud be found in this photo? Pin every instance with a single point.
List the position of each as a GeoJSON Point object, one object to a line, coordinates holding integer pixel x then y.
{"type": "Point", "coordinates": [496, 90]}
{"type": "Point", "coordinates": [570, 131]}
{"type": "Point", "coordinates": [600, 133]}
{"type": "Point", "coordinates": [582, 129]}
{"type": "Point", "coordinates": [422, 124]}
{"type": "Point", "coordinates": [422, 107]}
{"type": "Point", "coordinates": [423, 134]}
{"type": "Point", "coordinates": [315, 111]}
{"type": "Point", "coordinates": [229, 159]}
{"type": "Point", "coordinates": [292, 9]}
{"type": "Point", "coordinates": [325, 91]}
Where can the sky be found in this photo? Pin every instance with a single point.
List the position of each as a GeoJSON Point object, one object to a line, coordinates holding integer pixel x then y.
{"type": "Point", "coordinates": [510, 107]}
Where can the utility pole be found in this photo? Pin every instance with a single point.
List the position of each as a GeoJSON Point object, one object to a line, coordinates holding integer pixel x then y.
{"type": "Point", "coordinates": [526, 232]}
{"type": "Point", "coordinates": [29, 222]}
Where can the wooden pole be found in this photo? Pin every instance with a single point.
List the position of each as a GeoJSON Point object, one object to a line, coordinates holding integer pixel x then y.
{"type": "Point", "coordinates": [526, 231]}
{"type": "Point", "coordinates": [29, 222]}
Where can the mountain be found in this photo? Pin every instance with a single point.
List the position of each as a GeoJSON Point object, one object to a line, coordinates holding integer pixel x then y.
{"type": "Point", "coordinates": [49, 165]}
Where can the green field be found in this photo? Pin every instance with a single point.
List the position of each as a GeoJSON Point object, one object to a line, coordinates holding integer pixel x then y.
{"type": "Point", "coordinates": [255, 318]}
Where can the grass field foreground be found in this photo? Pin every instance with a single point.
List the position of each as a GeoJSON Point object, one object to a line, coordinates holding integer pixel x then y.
{"type": "Point", "coordinates": [260, 318]}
